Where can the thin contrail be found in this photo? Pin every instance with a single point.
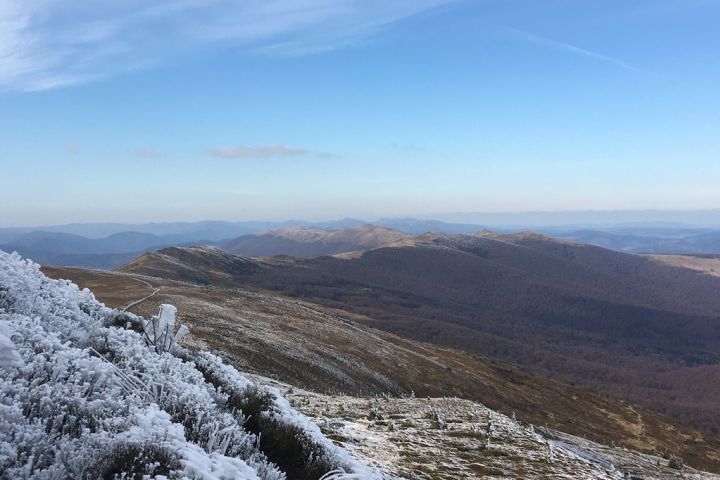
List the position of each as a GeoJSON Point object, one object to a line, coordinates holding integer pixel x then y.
{"type": "Point", "coordinates": [570, 48]}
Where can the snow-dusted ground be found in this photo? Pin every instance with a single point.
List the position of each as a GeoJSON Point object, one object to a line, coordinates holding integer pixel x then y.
{"type": "Point", "coordinates": [449, 438]}
{"type": "Point", "coordinates": [83, 398]}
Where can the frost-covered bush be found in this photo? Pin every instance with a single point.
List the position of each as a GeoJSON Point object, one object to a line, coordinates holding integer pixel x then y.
{"type": "Point", "coordinates": [122, 319]}
{"type": "Point", "coordinates": [286, 437]}
{"type": "Point", "coordinates": [85, 399]}
{"type": "Point", "coordinates": [160, 331]}
{"type": "Point", "coordinates": [5, 301]}
{"type": "Point", "coordinates": [70, 411]}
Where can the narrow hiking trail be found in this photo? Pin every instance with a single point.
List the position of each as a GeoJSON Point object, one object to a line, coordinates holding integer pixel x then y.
{"type": "Point", "coordinates": [140, 300]}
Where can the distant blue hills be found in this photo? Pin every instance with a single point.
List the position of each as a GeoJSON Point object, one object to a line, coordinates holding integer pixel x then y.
{"type": "Point", "coordinates": [109, 245]}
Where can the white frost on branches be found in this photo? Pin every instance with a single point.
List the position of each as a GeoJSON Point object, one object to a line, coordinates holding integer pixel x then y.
{"type": "Point", "coordinates": [80, 398]}
{"type": "Point", "coordinates": [160, 329]}
{"type": "Point", "coordinates": [9, 356]}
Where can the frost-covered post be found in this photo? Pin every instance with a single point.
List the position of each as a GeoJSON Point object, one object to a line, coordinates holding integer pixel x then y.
{"type": "Point", "coordinates": [440, 420]}
{"type": "Point", "coordinates": [489, 432]}
{"type": "Point", "coordinates": [160, 332]}
{"type": "Point", "coordinates": [551, 453]}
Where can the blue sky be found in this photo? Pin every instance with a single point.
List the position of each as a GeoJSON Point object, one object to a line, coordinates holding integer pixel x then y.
{"type": "Point", "coordinates": [319, 109]}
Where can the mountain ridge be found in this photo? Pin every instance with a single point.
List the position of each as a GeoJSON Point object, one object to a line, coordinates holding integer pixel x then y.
{"type": "Point", "coordinates": [312, 242]}
{"type": "Point", "coordinates": [625, 324]}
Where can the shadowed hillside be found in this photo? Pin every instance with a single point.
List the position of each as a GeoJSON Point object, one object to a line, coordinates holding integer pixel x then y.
{"type": "Point", "coordinates": [625, 324]}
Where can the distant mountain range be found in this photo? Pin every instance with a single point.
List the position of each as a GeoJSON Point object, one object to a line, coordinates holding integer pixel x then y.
{"type": "Point", "coordinates": [313, 242]}
{"type": "Point", "coordinates": [107, 246]}
{"type": "Point", "coordinates": [679, 240]}
{"type": "Point", "coordinates": [56, 248]}
{"type": "Point", "coordinates": [220, 230]}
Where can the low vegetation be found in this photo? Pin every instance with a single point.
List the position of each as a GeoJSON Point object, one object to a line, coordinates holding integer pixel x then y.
{"type": "Point", "coordinates": [85, 399]}
{"type": "Point", "coordinates": [329, 351]}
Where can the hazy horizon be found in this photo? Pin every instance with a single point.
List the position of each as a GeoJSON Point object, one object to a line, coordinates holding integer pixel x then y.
{"type": "Point", "coordinates": [708, 218]}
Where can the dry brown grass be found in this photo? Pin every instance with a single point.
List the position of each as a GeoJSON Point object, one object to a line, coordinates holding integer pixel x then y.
{"type": "Point", "coordinates": [704, 264]}
{"type": "Point", "coordinates": [324, 350]}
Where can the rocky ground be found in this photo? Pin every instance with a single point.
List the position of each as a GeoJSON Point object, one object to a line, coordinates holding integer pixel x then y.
{"type": "Point", "coordinates": [450, 438]}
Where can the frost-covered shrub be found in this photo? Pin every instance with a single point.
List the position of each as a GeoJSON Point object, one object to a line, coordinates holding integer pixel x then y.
{"type": "Point", "coordinates": [136, 461]}
{"type": "Point", "coordinates": [71, 411]}
{"type": "Point", "coordinates": [5, 300]}
{"type": "Point", "coordinates": [90, 400]}
{"type": "Point", "coordinates": [120, 319]}
{"type": "Point", "coordinates": [286, 437]}
{"type": "Point", "coordinates": [296, 452]}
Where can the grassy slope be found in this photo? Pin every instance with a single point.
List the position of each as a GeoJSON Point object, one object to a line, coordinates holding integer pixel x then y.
{"type": "Point", "coordinates": [328, 350]}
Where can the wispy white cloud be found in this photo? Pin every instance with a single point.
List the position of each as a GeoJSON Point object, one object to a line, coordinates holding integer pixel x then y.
{"type": "Point", "coordinates": [569, 48]}
{"type": "Point", "coordinates": [264, 151]}
{"type": "Point", "coordinates": [51, 43]}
